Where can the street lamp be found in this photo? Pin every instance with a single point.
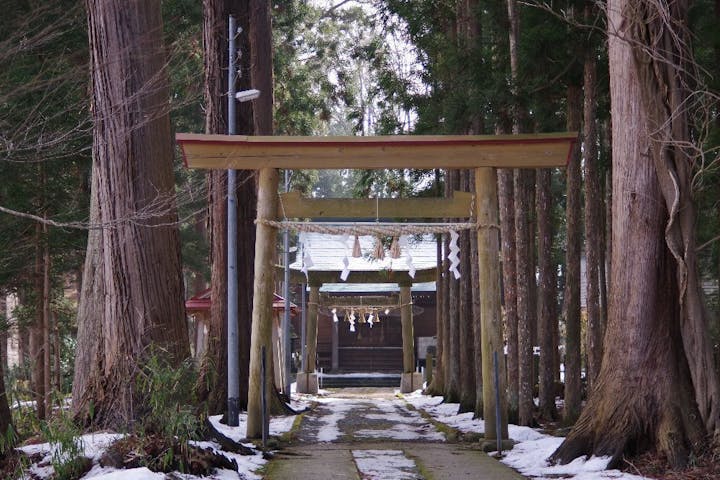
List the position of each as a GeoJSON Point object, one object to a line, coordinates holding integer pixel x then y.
{"type": "Point", "coordinates": [233, 392]}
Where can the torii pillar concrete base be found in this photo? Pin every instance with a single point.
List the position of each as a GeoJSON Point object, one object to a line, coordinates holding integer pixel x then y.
{"type": "Point", "coordinates": [307, 383]}
{"type": "Point", "coordinates": [409, 382]}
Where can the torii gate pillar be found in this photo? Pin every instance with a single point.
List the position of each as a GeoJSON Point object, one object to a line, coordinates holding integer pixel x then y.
{"type": "Point", "coordinates": [488, 235]}
{"type": "Point", "coordinates": [410, 380]}
{"type": "Point", "coordinates": [307, 381]}
{"type": "Point", "coordinates": [263, 293]}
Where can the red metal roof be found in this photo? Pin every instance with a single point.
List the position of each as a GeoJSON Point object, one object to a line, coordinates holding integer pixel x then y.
{"type": "Point", "coordinates": [201, 303]}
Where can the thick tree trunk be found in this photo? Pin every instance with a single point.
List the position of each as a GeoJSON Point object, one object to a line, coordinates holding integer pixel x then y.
{"type": "Point", "coordinates": [506, 198]}
{"type": "Point", "coordinates": [476, 317]}
{"type": "Point", "coordinates": [132, 294]}
{"type": "Point", "coordinates": [5, 418]}
{"type": "Point", "coordinates": [437, 384]}
{"type": "Point", "coordinates": [546, 295]}
{"type": "Point", "coordinates": [524, 279]}
{"type": "Point", "coordinates": [4, 330]}
{"type": "Point", "coordinates": [657, 407]}
{"type": "Point", "coordinates": [446, 306]}
{"type": "Point", "coordinates": [36, 333]}
{"type": "Point", "coordinates": [664, 75]}
{"type": "Point", "coordinates": [212, 381]}
{"type": "Point", "coordinates": [573, 385]}
{"type": "Point", "coordinates": [520, 293]}
{"type": "Point", "coordinates": [57, 354]}
{"type": "Point", "coordinates": [452, 372]}
{"type": "Point", "coordinates": [46, 324]}
{"type": "Point", "coordinates": [466, 315]}
{"type": "Point", "coordinates": [593, 219]}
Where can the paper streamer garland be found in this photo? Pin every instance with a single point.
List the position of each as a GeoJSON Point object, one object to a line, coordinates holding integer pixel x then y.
{"type": "Point", "coordinates": [453, 256]}
{"type": "Point", "coordinates": [399, 243]}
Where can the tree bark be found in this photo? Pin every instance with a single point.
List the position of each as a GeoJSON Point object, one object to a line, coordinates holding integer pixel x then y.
{"type": "Point", "coordinates": [37, 356]}
{"type": "Point", "coordinates": [438, 381]}
{"type": "Point", "coordinates": [5, 417]}
{"type": "Point", "coordinates": [4, 329]}
{"type": "Point", "coordinates": [546, 295]}
{"type": "Point", "coordinates": [132, 294]}
{"type": "Point", "coordinates": [446, 305]}
{"type": "Point", "coordinates": [466, 316]}
{"type": "Point", "coordinates": [524, 279]}
{"type": "Point", "coordinates": [664, 74]}
{"type": "Point", "coordinates": [46, 324]}
{"type": "Point", "coordinates": [452, 372]}
{"type": "Point", "coordinates": [593, 217]}
{"type": "Point", "coordinates": [506, 198]}
{"type": "Point", "coordinates": [665, 405]}
{"type": "Point", "coordinates": [573, 384]}
{"type": "Point", "coordinates": [476, 317]}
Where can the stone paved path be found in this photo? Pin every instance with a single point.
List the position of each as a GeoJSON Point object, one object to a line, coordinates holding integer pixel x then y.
{"type": "Point", "coordinates": [369, 434]}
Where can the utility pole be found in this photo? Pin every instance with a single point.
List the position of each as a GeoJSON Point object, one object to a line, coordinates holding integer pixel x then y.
{"type": "Point", "coordinates": [233, 401]}
{"type": "Point", "coordinates": [286, 293]}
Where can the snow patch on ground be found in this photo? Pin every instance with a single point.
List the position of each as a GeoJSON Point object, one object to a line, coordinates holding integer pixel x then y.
{"type": "Point", "coordinates": [95, 444]}
{"type": "Point", "coordinates": [330, 430]}
{"type": "Point", "coordinates": [384, 464]}
{"type": "Point", "coordinates": [529, 456]}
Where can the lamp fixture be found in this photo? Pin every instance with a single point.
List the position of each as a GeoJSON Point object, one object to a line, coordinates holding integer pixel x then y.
{"type": "Point", "coordinates": [247, 95]}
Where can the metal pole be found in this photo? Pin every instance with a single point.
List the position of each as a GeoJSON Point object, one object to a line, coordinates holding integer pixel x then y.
{"type": "Point", "coordinates": [263, 397]}
{"type": "Point", "coordinates": [498, 420]}
{"type": "Point", "coordinates": [233, 400]}
{"type": "Point", "coordinates": [303, 328]}
{"type": "Point", "coordinates": [286, 293]}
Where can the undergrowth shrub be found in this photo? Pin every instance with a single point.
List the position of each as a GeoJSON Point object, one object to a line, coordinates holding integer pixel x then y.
{"type": "Point", "coordinates": [170, 417]}
{"type": "Point", "coordinates": [67, 446]}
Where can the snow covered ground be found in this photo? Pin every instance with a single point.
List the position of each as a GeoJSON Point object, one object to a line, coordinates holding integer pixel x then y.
{"type": "Point", "coordinates": [94, 446]}
{"type": "Point", "coordinates": [529, 456]}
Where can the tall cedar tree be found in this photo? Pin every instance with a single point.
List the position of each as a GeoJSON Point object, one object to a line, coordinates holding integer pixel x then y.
{"type": "Point", "coordinates": [546, 295]}
{"type": "Point", "coordinates": [452, 370]}
{"type": "Point", "coordinates": [656, 326]}
{"type": "Point", "coordinates": [132, 293]}
{"type": "Point", "coordinates": [523, 186]}
{"type": "Point", "coordinates": [593, 217]}
{"type": "Point", "coordinates": [212, 382]}
{"type": "Point", "coordinates": [466, 315]}
{"type": "Point", "coordinates": [573, 383]}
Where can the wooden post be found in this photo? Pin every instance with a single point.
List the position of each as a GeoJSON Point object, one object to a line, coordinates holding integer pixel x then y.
{"type": "Point", "coordinates": [410, 380]}
{"type": "Point", "coordinates": [262, 316]}
{"type": "Point", "coordinates": [406, 320]}
{"type": "Point", "coordinates": [307, 380]}
{"type": "Point", "coordinates": [490, 319]}
{"type": "Point", "coordinates": [312, 328]}
{"type": "Point", "coordinates": [335, 346]}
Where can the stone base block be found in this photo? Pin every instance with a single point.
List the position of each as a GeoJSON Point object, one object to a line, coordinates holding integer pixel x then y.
{"type": "Point", "coordinates": [411, 382]}
{"type": "Point", "coordinates": [307, 383]}
{"type": "Point", "coordinates": [488, 446]}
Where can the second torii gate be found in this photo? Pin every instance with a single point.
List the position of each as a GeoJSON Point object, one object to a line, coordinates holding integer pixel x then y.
{"type": "Point", "coordinates": [482, 153]}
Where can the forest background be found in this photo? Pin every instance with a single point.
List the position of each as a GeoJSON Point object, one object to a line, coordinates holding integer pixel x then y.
{"type": "Point", "coordinates": [366, 68]}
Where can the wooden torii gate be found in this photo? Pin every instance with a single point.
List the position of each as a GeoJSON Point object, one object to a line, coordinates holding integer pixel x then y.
{"type": "Point", "coordinates": [481, 153]}
{"type": "Point", "coordinates": [410, 381]}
